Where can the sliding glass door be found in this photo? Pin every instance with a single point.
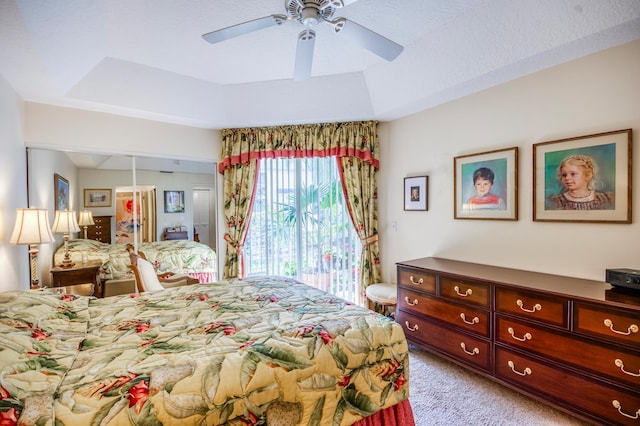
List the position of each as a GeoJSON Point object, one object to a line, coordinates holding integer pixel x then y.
{"type": "Point", "coordinates": [300, 226]}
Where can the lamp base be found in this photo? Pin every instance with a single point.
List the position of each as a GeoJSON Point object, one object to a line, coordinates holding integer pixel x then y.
{"type": "Point", "coordinates": [67, 263]}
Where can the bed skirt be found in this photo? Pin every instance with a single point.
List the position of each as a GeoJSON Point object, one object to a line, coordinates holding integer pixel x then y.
{"type": "Point", "coordinates": [400, 414]}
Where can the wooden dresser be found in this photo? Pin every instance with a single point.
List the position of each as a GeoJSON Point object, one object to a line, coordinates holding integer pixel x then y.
{"type": "Point", "coordinates": [571, 343]}
{"type": "Point", "coordinates": [101, 231]}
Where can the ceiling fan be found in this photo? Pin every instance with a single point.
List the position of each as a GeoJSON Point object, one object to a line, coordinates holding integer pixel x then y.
{"type": "Point", "coordinates": [311, 13]}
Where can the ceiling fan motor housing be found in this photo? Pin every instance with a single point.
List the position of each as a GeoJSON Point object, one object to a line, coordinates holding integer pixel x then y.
{"type": "Point", "coordinates": [311, 12]}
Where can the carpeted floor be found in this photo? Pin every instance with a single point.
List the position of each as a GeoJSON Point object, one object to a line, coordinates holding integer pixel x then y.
{"type": "Point", "coordinates": [442, 393]}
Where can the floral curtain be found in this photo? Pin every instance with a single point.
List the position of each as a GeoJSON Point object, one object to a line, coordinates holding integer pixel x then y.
{"type": "Point", "coordinates": [239, 182]}
{"type": "Point", "coordinates": [242, 148]}
{"type": "Point", "coordinates": [360, 188]}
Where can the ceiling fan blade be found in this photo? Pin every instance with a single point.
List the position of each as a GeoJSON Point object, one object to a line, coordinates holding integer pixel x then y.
{"type": "Point", "coordinates": [371, 40]}
{"type": "Point", "coordinates": [304, 54]}
{"type": "Point", "coordinates": [244, 28]}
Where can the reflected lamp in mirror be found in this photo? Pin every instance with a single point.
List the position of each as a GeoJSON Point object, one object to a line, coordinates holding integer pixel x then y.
{"type": "Point", "coordinates": [65, 223]}
{"type": "Point", "coordinates": [85, 220]}
{"type": "Point", "coordinates": [32, 228]}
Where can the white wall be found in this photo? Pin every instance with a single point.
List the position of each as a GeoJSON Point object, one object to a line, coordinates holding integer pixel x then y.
{"type": "Point", "coordinates": [41, 195]}
{"type": "Point", "coordinates": [14, 260]}
{"type": "Point", "coordinates": [598, 93]}
{"type": "Point", "coordinates": [92, 178]}
{"type": "Point", "coordinates": [88, 131]}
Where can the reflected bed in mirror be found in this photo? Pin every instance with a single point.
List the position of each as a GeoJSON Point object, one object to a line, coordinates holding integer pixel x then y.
{"type": "Point", "coordinates": [105, 175]}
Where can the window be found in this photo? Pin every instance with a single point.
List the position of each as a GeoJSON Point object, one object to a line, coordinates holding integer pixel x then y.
{"type": "Point", "coordinates": [300, 226]}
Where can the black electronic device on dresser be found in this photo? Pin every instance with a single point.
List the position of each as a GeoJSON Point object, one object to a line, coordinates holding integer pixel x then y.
{"type": "Point", "coordinates": [629, 278]}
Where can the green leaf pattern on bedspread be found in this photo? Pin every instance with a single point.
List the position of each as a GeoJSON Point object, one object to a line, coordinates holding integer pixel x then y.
{"type": "Point", "coordinates": [205, 354]}
{"type": "Point", "coordinates": [39, 338]}
{"type": "Point", "coordinates": [178, 256]}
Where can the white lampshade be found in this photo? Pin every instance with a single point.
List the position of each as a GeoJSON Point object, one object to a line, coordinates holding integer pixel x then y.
{"type": "Point", "coordinates": [65, 222]}
{"type": "Point", "coordinates": [86, 218]}
{"type": "Point", "coordinates": [32, 227]}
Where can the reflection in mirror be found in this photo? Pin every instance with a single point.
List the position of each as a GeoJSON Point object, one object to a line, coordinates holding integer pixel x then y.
{"type": "Point", "coordinates": [103, 184]}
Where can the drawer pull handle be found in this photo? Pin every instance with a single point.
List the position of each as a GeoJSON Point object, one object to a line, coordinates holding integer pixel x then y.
{"type": "Point", "coordinates": [536, 307]}
{"type": "Point", "coordinates": [527, 336]}
{"type": "Point", "coordinates": [415, 328]}
{"type": "Point", "coordinates": [409, 302]}
{"type": "Point", "coordinates": [474, 320]}
{"type": "Point", "coordinates": [465, 294]}
{"type": "Point", "coordinates": [620, 365]}
{"type": "Point", "coordinates": [473, 352]}
{"type": "Point", "coordinates": [420, 281]}
{"type": "Point", "coordinates": [632, 328]}
{"type": "Point", "coordinates": [618, 406]}
{"type": "Point", "coordinates": [527, 371]}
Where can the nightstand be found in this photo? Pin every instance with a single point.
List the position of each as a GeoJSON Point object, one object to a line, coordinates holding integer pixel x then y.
{"type": "Point", "coordinates": [80, 273]}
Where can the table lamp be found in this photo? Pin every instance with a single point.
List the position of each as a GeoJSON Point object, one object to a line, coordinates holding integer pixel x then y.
{"type": "Point", "coordinates": [85, 219]}
{"type": "Point", "coordinates": [32, 228]}
{"type": "Point", "coordinates": [65, 223]}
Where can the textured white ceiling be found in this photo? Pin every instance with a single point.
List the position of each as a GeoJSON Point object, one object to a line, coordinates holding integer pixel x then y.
{"type": "Point", "coordinates": [146, 58]}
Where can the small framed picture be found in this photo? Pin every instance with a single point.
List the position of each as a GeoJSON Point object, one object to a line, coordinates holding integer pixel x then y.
{"type": "Point", "coordinates": [583, 179]}
{"type": "Point", "coordinates": [174, 201]}
{"type": "Point", "coordinates": [415, 193]}
{"type": "Point", "coordinates": [97, 197]}
{"type": "Point", "coordinates": [61, 192]}
{"type": "Point", "coordinates": [486, 185]}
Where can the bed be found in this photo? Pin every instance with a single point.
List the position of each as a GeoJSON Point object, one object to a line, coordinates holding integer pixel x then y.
{"type": "Point", "coordinates": [241, 352]}
{"type": "Point", "coordinates": [178, 256]}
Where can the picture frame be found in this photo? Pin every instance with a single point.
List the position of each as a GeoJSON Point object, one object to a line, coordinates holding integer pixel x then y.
{"type": "Point", "coordinates": [61, 192]}
{"type": "Point", "coordinates": [174, 201]}
{"type": "Point", "coordinates": [486, 185]}
{"type": "Point", "coordinates": [416, 193]}
{"type": "Point", "coordinates": [583, 179]}
{"type": "Point", "coordinates": [97, 197]}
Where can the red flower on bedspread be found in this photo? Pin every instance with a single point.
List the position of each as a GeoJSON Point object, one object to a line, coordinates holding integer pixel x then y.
{"type": "Point", "coordinates": [104, 387]}
{"type": "Point", "coordinates": [344, 381]}
{"type": "Point", "coordinates": [9, 417]}
{"type": "Point", "coordinates": [400, 381]}
{"type": "Point", "coordinates": [138, 395]}
{"type": "Point", "coordinates": [249, 420]}
{"type": "Point", "coordinates": [38, 334]}
{"type": "Point", "coordinates": [306, 330]}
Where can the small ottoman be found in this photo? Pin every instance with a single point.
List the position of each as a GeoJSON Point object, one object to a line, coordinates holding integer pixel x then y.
{"type": "Point", "coordinates": [384, 295]}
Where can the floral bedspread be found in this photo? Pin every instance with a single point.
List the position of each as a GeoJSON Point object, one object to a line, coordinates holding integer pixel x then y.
{"type": "Point", "coordinates": [219, 353]}
{"type": "Point", "coordinates": [177, 256]}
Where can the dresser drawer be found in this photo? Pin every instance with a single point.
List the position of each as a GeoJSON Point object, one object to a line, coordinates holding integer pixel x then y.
{"type": "Point", "coordinates": [533, 305]}
{"type": "Point", "coordinates": [617, 325]}
{"type": "Point", "coordinates": [468, 318]}
{"type": "Point", "coordinates": [573, 391]}
{"type": "Point", "coordinates": [472, 351]}
{"type": "Point", "coordinates": [621, 365]}
{"type": "Point", "coordinates": [421, 280]}
{"type": "Point", "coordinates": [472, 292]}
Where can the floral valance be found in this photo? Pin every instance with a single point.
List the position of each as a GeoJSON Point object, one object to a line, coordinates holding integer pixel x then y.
{"type": "Point", "coordinates": [351, 139]}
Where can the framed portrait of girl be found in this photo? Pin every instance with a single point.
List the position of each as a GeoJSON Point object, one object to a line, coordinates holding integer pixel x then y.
{"type": "Point", "coordinates": [583, 179]}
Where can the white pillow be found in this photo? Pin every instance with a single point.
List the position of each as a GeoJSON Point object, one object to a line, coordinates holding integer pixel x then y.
{"type": "Point", "coordinates": [150, 281]}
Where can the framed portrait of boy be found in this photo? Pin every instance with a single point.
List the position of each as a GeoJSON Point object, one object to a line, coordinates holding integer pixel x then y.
{"type": "Point", "coordinates": [486, 185]}
{"type": "Point", "coordinates": [583, 179]}
{"type": "Point", "coordinates": [415, 193]}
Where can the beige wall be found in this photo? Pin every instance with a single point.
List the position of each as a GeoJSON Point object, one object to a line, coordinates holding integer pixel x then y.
{"type": "Point", "coordinates": [87, 131]}
{"type": "Point", "coordinates": [598, 93]}
{"type": "Point", "coordinates": [14, 260]}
